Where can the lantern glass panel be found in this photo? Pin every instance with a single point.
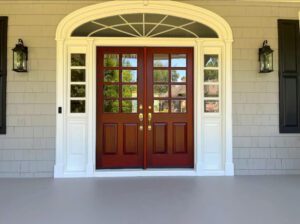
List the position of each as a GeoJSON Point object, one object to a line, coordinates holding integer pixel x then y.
{"type": "Point", "coordinates": [266, 62]}
{"type": "Point", "coordinates": [20, 61]}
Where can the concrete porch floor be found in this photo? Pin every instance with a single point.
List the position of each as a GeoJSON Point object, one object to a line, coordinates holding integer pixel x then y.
{"type": "Point", "coordinates": [201, 200]}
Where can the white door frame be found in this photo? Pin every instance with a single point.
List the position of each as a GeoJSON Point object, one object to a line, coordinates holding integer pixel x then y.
{"type": "Point", "coordinates": [76, 133]}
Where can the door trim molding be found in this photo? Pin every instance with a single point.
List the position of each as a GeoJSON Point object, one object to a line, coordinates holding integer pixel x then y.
{"type": "Point", "coordinates": [82, 162]}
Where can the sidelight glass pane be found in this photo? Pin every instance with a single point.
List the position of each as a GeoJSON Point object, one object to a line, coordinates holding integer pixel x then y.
{"type": "Point", "coordinates": [161, 60]}
{"type": "Point", "coordinates": [77, 106]}
{"type": "Point", "coordinates": [160, 75]}
{"type": "Point", "coordinates": [178, 75]}
{"type": "Point", "coordinates": [178, 106]}
{"type": "Point", "coordinates": [211, 60]}
{"type": "Point", "coordinates": [211, 75]}
{"type": "Point", "coordinates": [161, 90]}
{"type": "Point", "coordinates": [77, 90]}
{"type": "Point", "coordinates": [129, 106]}
{"type": "Point", "coordinates": [111, 60]}
{"type": "Point", "coordinates": [211, 106]}
{"type": "Point", "coordinates": [111, 91]}
{"type": "Point", "coordinates": [178, 60]}
{"type": "Point", "coordinates": [129, 76]}
{"type": "Point", "coordinates": [161, 106]}
{"type": "Point", "coordinates": [77, 75]}
{"type": "Point", "coordinates": [178, 91]}
{"type": "Point", "coordinates": [111, 106]}
{"type": "Point", "coordinates": [129, 60]}
{"type": "Point", "coordinates": [211, 90]}
{"type": "Point", "coordinates": [111, 76]}
{"type": "Point", "coordinates": [77, 59]}
{"type": "Point", "coordinates": [129, 91]}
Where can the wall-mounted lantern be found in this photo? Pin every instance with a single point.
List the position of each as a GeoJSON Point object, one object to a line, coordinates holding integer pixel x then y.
{"type": "Point", "coordinates": [20, 57]}
{"type": "Point", "coordinates": [266, 58]}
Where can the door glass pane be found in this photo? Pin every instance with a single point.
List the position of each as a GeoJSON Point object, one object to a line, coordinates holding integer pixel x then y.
{"type": "Point", "coordinates": [111, 106]}
{"type": "Point", "coordinates": [77, 59]}
{"type": "Point", "coordinates": [77, 106]}
{"type": "Point", "coordinates": [161, 106]}
{"type": "Point", "coordinates": [178, 90]}
{"type": "Point", "coordinates": [129, 60]}
{"type": "Point", "coordinates": [178, 106]}
{"type": "Point", "coordinates": [211, 90]}
{"type": "Point", "coordinates": [160, 75]}
{"type": "Point", "coordinates": [129, 76]}
{"type": "Point", "coordinates": [178, 75]}
{"type": "Point", "coordinates": [111, 91]}
{"type": "Point", "coordinates": [211, 76]}
{"type": "Point", "coordinates": [161, 90]}
{"type": "Point", "coordinates": [111, 60]}
{"type": "Point", "coordinates": [211, 106]}
{"type": "Point", "coordinates": [129, 106]}
{"type": "Point", "coordinates": [178, 60]}
{"type": "Point", "coordinates": [129, 91]}
{"type": "Point", "coordinates": [211, 60]}
{"type": "Point", "coordinates": [77, 75]}
{"type": "Point", "coordinates": [77, 90]}
{"type": "Point", "coordinates": [161, 60]}
{"type": "Point", "coordinates": [111, 76]}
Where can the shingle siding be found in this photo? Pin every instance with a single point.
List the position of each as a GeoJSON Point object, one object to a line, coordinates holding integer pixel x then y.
{"type": "Point", "coordinates": [28, 148]}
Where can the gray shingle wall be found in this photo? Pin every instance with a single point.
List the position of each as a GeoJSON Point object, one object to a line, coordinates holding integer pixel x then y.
{"type": "Point", "coordinates": [28, 148]}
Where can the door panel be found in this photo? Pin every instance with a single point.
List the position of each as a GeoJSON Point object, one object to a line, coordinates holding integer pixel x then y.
{"type": "Point", "coordinates": [144, 108]}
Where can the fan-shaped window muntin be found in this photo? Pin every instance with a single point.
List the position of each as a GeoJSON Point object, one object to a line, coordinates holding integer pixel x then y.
{"type": "Point", "coordinates": [144, 25]}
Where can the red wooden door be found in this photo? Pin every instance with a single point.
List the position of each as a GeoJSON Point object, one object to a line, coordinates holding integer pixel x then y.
{"type": "Point", "coordinates": [170, 107]}
{"type": "Point", "coordinates": [119, 94]}
{"type": "Point", "coordinates": [144, 107]}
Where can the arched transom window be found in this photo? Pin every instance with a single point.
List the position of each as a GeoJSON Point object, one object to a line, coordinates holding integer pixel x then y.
{"type": "Point", "coordinates": [144, 25]}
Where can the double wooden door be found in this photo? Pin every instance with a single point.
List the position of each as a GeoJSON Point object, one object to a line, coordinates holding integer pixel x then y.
{"type": "Point", "coordinates": [144, 108]}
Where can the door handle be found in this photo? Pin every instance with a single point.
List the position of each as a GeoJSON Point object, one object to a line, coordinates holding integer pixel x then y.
{"type": "Point", "coordinates": [149, 121]}
{"type": "Point", "coordinates": [141, 117]}
{"type": "Point", "coordinates": [149, 117]}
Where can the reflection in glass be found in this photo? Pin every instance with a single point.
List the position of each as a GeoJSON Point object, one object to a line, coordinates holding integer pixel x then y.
{"type": "Point", "coordinates": [161, 90]}
{"type": "Point", "coordinates": [77, 59]}
{"type": "Point", "coordinates": [211, 106]}
{"type": "Point", "coordinates": [111, 76]}
{"type": "Point", "coordinates": [111, 60]}
{"type": "Point", "coordinates": [161, 106]}
{"type": "Point", "coordinates": [211, 60]}
{"type": "Point", "coordinates": [77, 90]}
{"type": "Point", "coordinates": [111, 106]}
{"type": "Point", "coordinates": [129, 76]}
{"type": "Point", "coordinates": [211, 90]}
{"type": "Point", "coordinates": [129, 60]}
{"type": "Point", "coordinates": [178, 75]}
{"type": "Point", "coordinates": [211, 76]}
{"type": "Point", "coordinates": [129, 91]}
{"type": "Point", "coordinates": [77, 75]}
{"type": "Point", "coordinates": [77, 106]}
{"type": "Point", "coordinates": [160, 75]}
{"type": "Point", "coordinates": [178, 106]}
{"type": "Point", "coordinates": [161, 60]}
{"type": "Point", "coordinates": [178, 60]}
{"type": "Point", "coordinates": [111, 91]}
{"type": "Point", "coordinates": [178, 90]}
{"type": "Point", "coordinates": [129, 106]}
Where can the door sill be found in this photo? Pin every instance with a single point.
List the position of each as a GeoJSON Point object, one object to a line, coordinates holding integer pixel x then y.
{"type": "Point", "coordinates": [145, 173]}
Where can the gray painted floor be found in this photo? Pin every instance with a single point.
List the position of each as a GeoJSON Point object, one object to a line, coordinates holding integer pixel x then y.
{"type": "Point", "coordinates": [211, 200]}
